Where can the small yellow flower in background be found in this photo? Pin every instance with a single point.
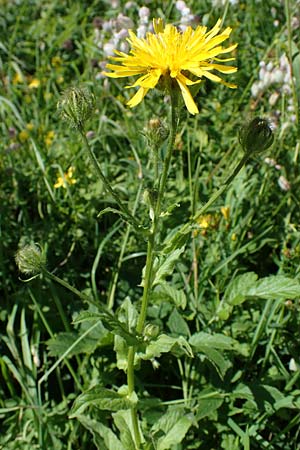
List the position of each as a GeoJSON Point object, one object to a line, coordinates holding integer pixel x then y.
{"type": "Point", "coordinates": [18, 78]}
{"type": "Point", "coordinates": [49, 138]}
{"type": "Point", "coordinates": [233, 237]}
{"type": "Point", "coordinates": [56, 61]}
{"type": "Point", "coordinates": [66, 179]}
{"type": "Point", "coordinates": [225, 211]}
{"type": "Point", "coordinates": [30, 126]}
{"type": "Point", "coordinates": [47, 95]}
{"type": "Point", "coordinates": [205, 221]}
{"type": "Point", "coordinates": [183, 57]}
{"type": "Point", "coordinates": [34, 84]}
{"type": "Point", "coordinates": [60, 79]}
{"type": "Point", "coordinates": [23, 136]}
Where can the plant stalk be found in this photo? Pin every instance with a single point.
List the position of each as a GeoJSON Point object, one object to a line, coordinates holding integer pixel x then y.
{"type": "Point", "coordinates": [132, 220]}
{"type": "Point", "coordinates": [151, 249]}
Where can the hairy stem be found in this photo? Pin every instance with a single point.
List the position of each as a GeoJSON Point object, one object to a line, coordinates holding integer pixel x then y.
{"type": "Point", "coordinates": [151, 249]}
{"type": "Point", "coordinates": [132, 220]}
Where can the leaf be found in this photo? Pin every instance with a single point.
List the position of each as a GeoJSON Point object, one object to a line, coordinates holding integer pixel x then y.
{"type": "Point", "coordinates": [176, 434]}
{"type": "Point", "coordinates": [266, 398]}
{"type": "Point", "coordinates": [110, 322]}
{"type": "Point", "coordinates": [237, 290]}
{"type": "Point", "coordinates": [216, 358]}
{"type": "Point", "coordinates": [167, 421]}
{"type": "Point", "coordinates": [128, 315]}
{"type": "Point", "coordinates": [62, 342]}
{"type": "Point", "coordinates": [208, 403]}
{"type": "Point", "coordinates": [177, 324]}
{"type": "Point", "coordinates": [176, 240]}
{"type": "Point", "coordinates": [216, 340]}
{"type": "Point", "coordinates": [104, 438]}
{"type": "Point", "coordinates": [275, 287]}
{"type": "Point", "coordinates": [102, 398]}
{"type": "Point", "coordinates": [165, 268]}
{"type": "Point", "coordinates": [165, 344]}
{"type": "Point", "coordinates": [246, 286]}
{"type": "Point", "coordinates": [166, 293]}
{"type": "Point", "coordinates": [123, 422]}
{"type": "Point", "coordinates": [121, 351]}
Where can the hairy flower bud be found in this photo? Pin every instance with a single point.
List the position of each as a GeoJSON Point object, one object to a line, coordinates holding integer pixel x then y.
{"type": "Point", "coordinates": [76, 106]}
{"type": "Point", "coordinates": [30, 259]}
{"type": "Point", "coordinates": [156, 132]}
{"type": "Point", "coordinates": [256, 136]}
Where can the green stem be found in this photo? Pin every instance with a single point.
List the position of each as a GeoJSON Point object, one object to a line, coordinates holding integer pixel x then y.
{"type": "Point", "coordinates": [64, 283]}
{"type": "Point", "coordinates": [156, 220]}
{"type": "Point", "coordinates": [132, 220]}
{"type": "Point", "coordinates": [130, 382]}
{"type": "Point", "coordinates": [151, 248]}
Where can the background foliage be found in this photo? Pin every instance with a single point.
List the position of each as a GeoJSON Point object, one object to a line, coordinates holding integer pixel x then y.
{"type": "Point", "coordinates": [232, 298]}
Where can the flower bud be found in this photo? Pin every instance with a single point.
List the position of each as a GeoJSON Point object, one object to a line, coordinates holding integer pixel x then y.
{"type": "Point", "coordinates": [156, 132]}
{"type": "Point", "coordinates": [256, 136]}
{"type": "Point", "coordinates": [30, 259]}
{"type": "Point", "coordinates": [151, 331]}
{"type": "Point", "coordinates": [76, 106]}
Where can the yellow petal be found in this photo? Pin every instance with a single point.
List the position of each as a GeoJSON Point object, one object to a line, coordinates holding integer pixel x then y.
{"type": "Point", "coordinates": [187, 97]}
{"type": "Point", "coordinates": [138, 97]}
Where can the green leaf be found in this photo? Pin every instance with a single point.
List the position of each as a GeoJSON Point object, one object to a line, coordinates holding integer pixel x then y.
{"type": "Point", "coordinates": [62, 342]}
{"type": "Point", "coordinates": [166, 293]}
{"type": "Point", "coordinates": [246, 286]}
{"type": "Point", "coordinates": [121, 350]}
{"type": "Point", "coordinates": [237, 290]}
{"type": "Point", "coordinates": [167, 421]}
{"type": "Point", "coordinates": [266, 398]}
{"type": "Point", "coordinates": [164, 267]}
{"type": "Point", "coordinates": [275, 287]}
{"type": "Point", "coordinates": [176, 240]}
{"type": "Point", "coordinates": [104, 438]}
{"type": "Point", "coordinates": [110, 322]}
{"type": "Point", "coordinates": [176, 434]}
{"type": "Point", "coordinates": [101, 398]}
{"type": "Point", "coordinates": [216, 340]}
{"type": "Point", "coordinates": [128, 315]}
{"type": "Point", "coordinates": [123, 422]}
{"type": "Point", "coordinates": [208, 402]}
{"type": "Point", "coordinates": [216, 358]}
{"type": "Point", "coordinates": [177, 324]}
{"type": "Point", "coordinates": [165, 344]}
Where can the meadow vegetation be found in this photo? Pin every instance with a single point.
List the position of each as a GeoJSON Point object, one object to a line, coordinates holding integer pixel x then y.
{"type": "Point", "coordinates": [137, 311]}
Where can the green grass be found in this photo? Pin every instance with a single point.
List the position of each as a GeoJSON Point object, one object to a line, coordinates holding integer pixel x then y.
{"type": "Point", "coordinates": [218, 365]}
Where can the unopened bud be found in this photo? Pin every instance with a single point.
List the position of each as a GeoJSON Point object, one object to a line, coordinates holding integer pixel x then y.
{"type": "Point", "coordinates": [156, 131]}
{"type": "Point", "coordinates": [30, 259]}
{"type": "Point", "coordinates": [151, 331]}
{"type": "Point", "coordinates": [76, 106]}
{"type": "Point", "coordinates": [256, 136]}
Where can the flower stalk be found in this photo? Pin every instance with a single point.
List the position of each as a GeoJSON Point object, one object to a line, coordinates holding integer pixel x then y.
{"type": "Point", "coordinates": [151, 251]}
{"type": "Point", "coordinates": [125, 211]}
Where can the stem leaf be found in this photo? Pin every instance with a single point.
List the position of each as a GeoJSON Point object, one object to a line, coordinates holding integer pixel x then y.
{"type": "Point", "coordinates": [102, 398]}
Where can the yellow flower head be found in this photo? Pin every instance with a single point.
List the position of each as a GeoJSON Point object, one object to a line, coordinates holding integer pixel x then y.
{"type": "Point", "coordinates": [184, 57]}
{"type": "Point", "coordinates": [34, 84]}
{"type": "Point", "coordinates": [49, 138]}
{"type": "Point", "coordinates": [67, 178]}
{"type": "Point", "coordinates": [23, 136]}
